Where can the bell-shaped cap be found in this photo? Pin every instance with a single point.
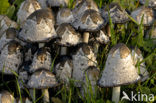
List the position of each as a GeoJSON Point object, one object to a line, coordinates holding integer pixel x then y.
{"type": "Point", "coordinates": [11, 58]}
{"type": "Point", "coordinates": [148, 15]}
{"type": "Point", "coordinates": [67, 35]}
{"type": "Point", "coordinates": [41, 59]}
{"type": "Point", "coordinates": [42, 79]}
{"type": "Point", "coordinates": [39, 27]}
{"type": "Point", "coordinates": [151, 3]}
{"type": "Point", "coordinates": [116, 13]}
{"type": "Point", "coordinates": [58, 3]}
{"type": "Point", "coordinates": [119, 68]}
{"type": "Point", "coordinates": [6, 97]}
{"type": "Point", "coordinates": [27, 7]}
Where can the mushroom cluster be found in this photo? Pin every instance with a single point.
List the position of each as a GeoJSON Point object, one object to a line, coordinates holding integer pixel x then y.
{"type": "Point", "coordinates": [54, 47]}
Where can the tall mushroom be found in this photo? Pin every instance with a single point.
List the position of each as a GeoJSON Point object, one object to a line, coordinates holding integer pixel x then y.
{"type": "Point", "coordinates": [119, 70]}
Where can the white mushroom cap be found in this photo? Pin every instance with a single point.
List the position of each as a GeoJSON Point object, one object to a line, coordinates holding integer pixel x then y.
{"type": "Point", "coordinates": [119, 68]}
{"type": "Point", "coordinates": [67, 35]}
{"type": "Point", "coordinates": [11, 58]}
{"type": "Point", "coordinates": [39, 27]}
{"type": "Point", "coordinates": [5, 23]}
{"type": "Point", "coordinates": [6, 97]}
{"type": "Point", "coordinates": [58, 3]}
{"type": "Point", "coordinates": [64, 15]}
{"type": "Point", "coordinates": [82, 59]}
{"type": "Point", "coordinates": [91, 21]}
{"type": "Point", "coordinates": [42, 79]}
{"type": "Point", "coordinates": [117, 14]}
{"type": "Point", "coordinates": [26, 8]}
{"type": "Point", "coordinates": [41, 59]}
{"type": "Point", "coordinates": [137, 57]}
{"type": "Point", "coordinates": [151, 3]}
{"type": "Point", "coordinates": [148, 13]}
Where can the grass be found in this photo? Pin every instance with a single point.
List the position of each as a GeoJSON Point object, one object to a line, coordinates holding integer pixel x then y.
{"type": "Point", "coordinates": [133, 36]}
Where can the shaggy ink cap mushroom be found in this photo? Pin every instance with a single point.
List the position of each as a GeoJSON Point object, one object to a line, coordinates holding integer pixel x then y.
{"type": "Point", "coordinates": [67, 35]}
{"type": "Point", "coordinates": [63, 69]}
{"type": "Point", "coordinates": [119, 69]}
{"type": "Point", "coordinates": [64, 15]}
{"type": "Point", "coordinates": [151, 3]}
{"type": "Point", "coordinates": [137, 57]}
{"type": "Point", "coordinates": [42, 79]}
{"type": "Point", "coordinates": [41, 59]}
{"type": "Point", "coordinates": [116, 13]}
{"type": "Point", "coordinates": [6, 97]}
{"type": "Point", "coordinates": [148, 14]}
{"type": "Point", "coordinates": [39, 27]}
{"type": "Point", "coordinates": [27, 8]}
{"type": "Point", "coordinates": [58, 3]}
{"type": "Point", "coordinates": [11, 58]}
{"type": "Point", "coordinates": [83, 57]}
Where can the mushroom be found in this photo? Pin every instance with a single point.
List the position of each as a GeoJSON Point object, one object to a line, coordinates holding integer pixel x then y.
{"type": "Point", "coordinates": [67, 37]}
{"type": "Point", "coordinates": [6, 97]}
{"type": "Point", "coordinates": [151, 3]}
{"type": "Point", "coordinates": [137, 57]}
{"type": "Point", "coordinates": [27, 7]}
{"type": "Point", "coordinates": [63, 69]}
{"type": "Point", "coordinates": [117, 14]}
{"type": "Point", "coordinates": [39, 27]}
{"type": "Point", "coordinates": [11, 58]}
{"type": "Point", "coordinates": [83, 57]}
{"type": "Point", "coordinates": [41, 59]}
{"type": "Point", "coordinates": [90, 79]}
{"type": "Point", "coordinates": [64, 15]}
{"type": "Point", "coordinates": [119, 70]}
{"type": "Point", "coordinates": [90, 21]}
{"type": "Point", "coordinates": [42, 79]}
{"type": "Point", "coordinates": [5, 23]}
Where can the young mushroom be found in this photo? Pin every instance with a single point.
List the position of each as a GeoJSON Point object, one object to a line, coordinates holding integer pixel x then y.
{"type": "Point", "coordinates": [6, 97]}
{"type": "Point", "coordinates": [42, 79]}
{"type": "Point", "coordinates": [39, 27]}
{"type": "Point", "coordinates": [27, 7]}
{"type": "Point", "coordinates": [119, 70]}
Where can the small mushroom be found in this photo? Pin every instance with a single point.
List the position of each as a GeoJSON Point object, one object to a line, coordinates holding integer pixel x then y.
{"type": "Point", "coordinates": [39, 27]}
{"type": "Point", "coordinates": [6, 97]}
{"type": "Point", "coordinates": [41, 59]}
{"type": "Point", "coordinates": [42, 79]}
{"type": "Point", "coordinates": [63, 69]}
{"type": "Point", "coordinates": [151, 3]}
{"type": "Point", "coordinates": [27, 7]}
{"type": "Point", "coordinates": [11, 58]}
{"type": "Point", "coordinates": [67, 37]}
{"type": "Point", "coordinates": [119, 70]}
{"type": "Point", "coordinates": [83, 57]}
{"type": "Point", "coordinates": [64, 15]}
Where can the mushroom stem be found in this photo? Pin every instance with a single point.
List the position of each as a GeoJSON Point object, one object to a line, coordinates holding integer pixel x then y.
{"type": "Point", "coordinates": [63, 50]}
{"type": "Point", "coordinates": [116, 94]}
{"type": "Point", "coordinates": [85, 37]}
{"type": "Point", "coordinates": [41, 45]}
{"type": "Point", "coordinates": [32, 94]}
{"type": "Point", "coordinates": [45, 95]}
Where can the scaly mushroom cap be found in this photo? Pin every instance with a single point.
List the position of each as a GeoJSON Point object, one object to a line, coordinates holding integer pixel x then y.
{"type": "Point", "coordinates": [26, 8]}
{"type": "Point", "coordinates": [63, 69]}
{"type": "Point", "coordinates": [137, 57]}
{"type": "Point", "coordinates": [6, 97]}
{"type": "Point", "coordinates": [64, 15]}
{"type": "Point", "coordinates": [11, 58]}
{"type": "Point", "coordinates": [148, 13]}
{"type": "Point", "coordinates": [101, 37]}
{"type": "Point", "coordinates": [41, 59]}
{"type": "Point", "coordinates": [151, 3]}
{"type": "Point", "coordinates": [5, 23]}
{"type": "Point", "coordinates": [84, 5]}
{"type": "Point", "coordinates": [119, 68]}
{"type": "Point", "coordinates": [42, 79]}
{"type": "Point", "coordinates": [117, 14]}
{"type": "Point", "coordinates": [82, 59]}
{"type": "Point", "coordinates": [90, 21]}
{"type": "Point", "coordinates": [58, 3]}
{"type": "Point", "coordinates": [9, 35]}
{"type": "Point", "coordinates": [39, 27]}
{"type": "Point", "coordinates": [67, 35]}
